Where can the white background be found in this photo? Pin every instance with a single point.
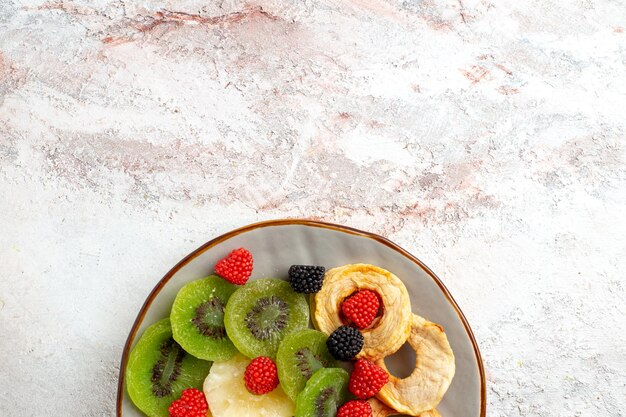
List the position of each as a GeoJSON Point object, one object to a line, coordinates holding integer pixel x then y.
{"type": "Point", "coordinates": [487, 138]}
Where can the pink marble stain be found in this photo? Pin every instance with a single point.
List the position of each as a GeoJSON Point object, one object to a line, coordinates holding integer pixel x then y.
{"type": "Point", "coordinates": [380, 8]}
{"type": "Point", "coordinates": [490, 69]}
{"type": "Point", "coordinates": [476, 74]}
{"type": "Point", "coordinates": [449, 196]}
{"type": "Point", "coordinates": [67, 7]}
{"type": "Point", "coordinates": [505, 69]}
{"type": "Point", "coordinates": [582, 159]}
{"type": "Point", "coordinates": [11, 77]}
{"type": "Point", "coordinates": [507, 91]}
{"type": "Point", "coordinates": [172, 19]}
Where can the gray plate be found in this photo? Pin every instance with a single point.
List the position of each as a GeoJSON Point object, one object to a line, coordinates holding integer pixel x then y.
{"type": "Point", "coordinates": [278, 244]}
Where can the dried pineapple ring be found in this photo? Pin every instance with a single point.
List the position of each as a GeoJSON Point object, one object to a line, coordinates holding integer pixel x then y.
{"type": "Point", "coordinates": [434, 369]}
{"type": "Point", "coordinates": [389, 332]}
{"type": "Point", "coordinates": [381, 410]}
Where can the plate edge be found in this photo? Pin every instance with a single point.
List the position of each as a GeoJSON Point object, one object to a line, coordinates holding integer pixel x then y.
{"type": "Point", "coordinates": [302, 222]}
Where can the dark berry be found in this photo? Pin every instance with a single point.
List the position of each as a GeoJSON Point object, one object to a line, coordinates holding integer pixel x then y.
{"type": "Point", "coordinates": [345, 343]}
{"type": "Point", "coordinates": [306, 278]}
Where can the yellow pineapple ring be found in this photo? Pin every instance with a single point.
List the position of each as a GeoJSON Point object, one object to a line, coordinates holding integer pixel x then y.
{"type": "Point", "coordinates": [381, 410]}
{"type": "Point", "coordinates": [226, 393]}
{"type": "Point", "coordinates": [388, 332]}
{"type": "Point", "coordinates": [434, 369]}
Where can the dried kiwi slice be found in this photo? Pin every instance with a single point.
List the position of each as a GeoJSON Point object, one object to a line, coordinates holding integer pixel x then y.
{"type": "Point", "coordinates": [260, 314]}
{"type": "Point", "coordinates": [299, 356]}
{"type": "Point", "coordinates": [198, 318]}
{"type": "Point", "coordinates": [158, 370]}
{"type": "Point", "coordinates": [323, 394]}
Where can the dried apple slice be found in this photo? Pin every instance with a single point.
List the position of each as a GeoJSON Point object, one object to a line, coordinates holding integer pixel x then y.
{"type": "Point", "coordinates": [434, 369]}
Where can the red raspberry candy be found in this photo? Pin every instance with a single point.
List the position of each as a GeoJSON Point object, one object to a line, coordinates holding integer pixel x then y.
{"type": "Point", "coordinates": [367, 379]}
{"type": "Point", "coordinates": [190, 404]}
{"type": "Point", "coordinates": [236, 267]}
{"type": "Point", "coordinates": [355, 408]}
{"type": "Point", "coordinates": [261, 375]}
{"type": "Point", "coordinates": [361, 308]}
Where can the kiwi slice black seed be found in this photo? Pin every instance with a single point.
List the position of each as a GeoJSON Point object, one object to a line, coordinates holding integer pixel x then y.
{"type": "Point", "coordinates": [299, 356]}
{"type": "Point", "coordinates": [159, 369]}
{"type": "Point", "coordinates": [198, 318]}
{"type": "Point", "coordinates": [323, 394]}
{"type": "Point", "coordinates": [261, 313]}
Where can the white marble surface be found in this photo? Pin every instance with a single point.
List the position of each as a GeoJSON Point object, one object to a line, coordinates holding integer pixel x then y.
{"type": "Point", "coordinates": [486, 137]}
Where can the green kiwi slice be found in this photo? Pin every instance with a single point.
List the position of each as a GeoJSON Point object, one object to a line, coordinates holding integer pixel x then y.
{"type": "Point", "coordinates": [299, 356]}
{"type": "Point", "coordinates": [158, 370]}
{"type": "Point", "coordinates": [323, 394]}
{"type": "Point", "coordinates": [198, 318]}
{"type": "Point", "coordinates": [260, 314]}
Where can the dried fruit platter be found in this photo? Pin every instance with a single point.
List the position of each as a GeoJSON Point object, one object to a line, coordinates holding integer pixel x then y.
{"type": "Point", "coordinates": [375, 343]}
